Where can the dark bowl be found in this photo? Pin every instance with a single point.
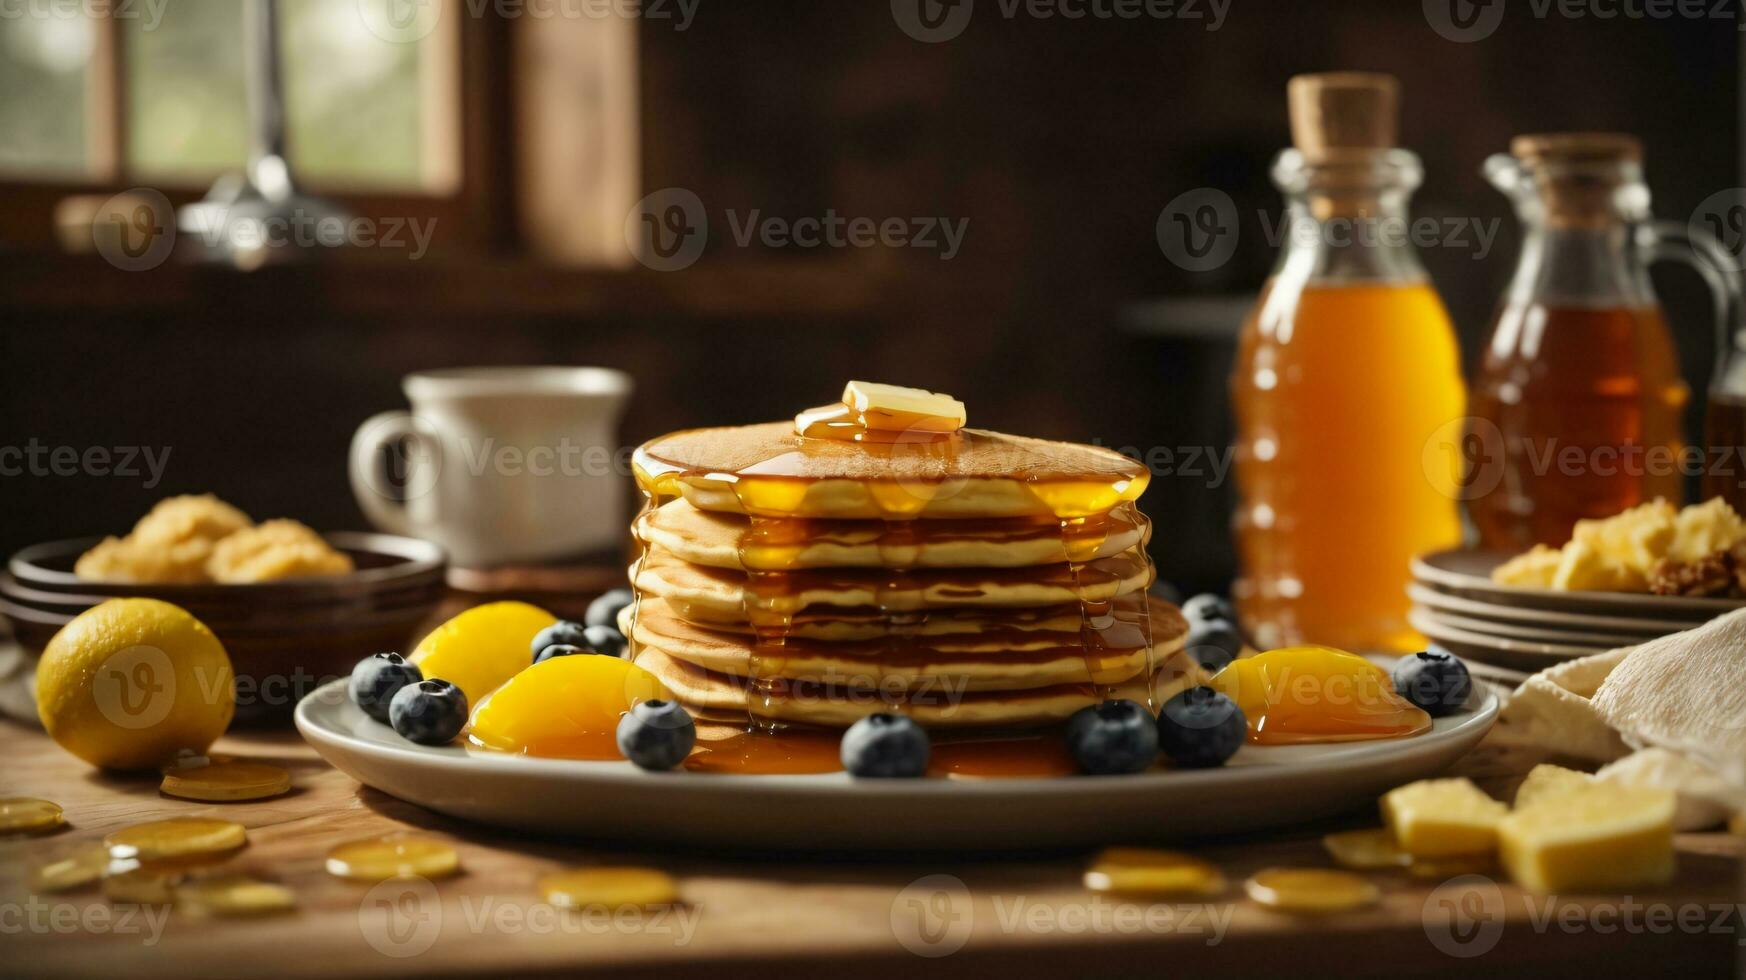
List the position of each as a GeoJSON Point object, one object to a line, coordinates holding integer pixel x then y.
{"type": "Point", "coordinates": [284, 638]}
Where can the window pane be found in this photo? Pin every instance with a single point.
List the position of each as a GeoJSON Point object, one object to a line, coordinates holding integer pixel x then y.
{"type": "Point", "coordinates": [42, 73]}
{"type": "Point", "coordinates": [187, 113]}
{"type": "Point", "coordinates": [352, 98]}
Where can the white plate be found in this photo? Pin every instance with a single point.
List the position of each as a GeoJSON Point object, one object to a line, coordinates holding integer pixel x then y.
{"type": "Point", "coordinates": [1626, 626]}
{"type": "Point", "coordinates": [1468, 574]}
{"type": "Point", "coordinates": [1263, 786]}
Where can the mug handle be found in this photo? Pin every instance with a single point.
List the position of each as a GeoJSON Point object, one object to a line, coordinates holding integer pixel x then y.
{"type": "Point", "coordinates": [367, 445]}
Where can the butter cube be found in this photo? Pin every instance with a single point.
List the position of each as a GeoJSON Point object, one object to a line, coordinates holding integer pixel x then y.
{"type": "Point", "coordinates": [1442, 817]}
{"type": "Point", "coordinates": [1601, 837]}
{"type": "Point", "coordinates": [1585, 569]}
{"type": "Point", "coordinates": [892, 408]}
{"type": "Point", "coordinates": [1636, 538]}
{"type": "Point", "coordinates": [1703, 529]}
{"type": "Point", "coordinates": [1546, 781]}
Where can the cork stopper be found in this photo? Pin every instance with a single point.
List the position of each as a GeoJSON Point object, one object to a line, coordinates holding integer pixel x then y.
{"type": "Point", "coordinates": [1339, 111]}
{"type": "Point", "coordinates": [1578, 175]}
{"type": "Point", "coordinates": [1536, 148]}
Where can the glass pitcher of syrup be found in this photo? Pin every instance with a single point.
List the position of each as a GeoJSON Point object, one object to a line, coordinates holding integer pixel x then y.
{"type": "Point", "coordinates": [1346, 369]}
{"type": "Point", "coordinates": [1579, 400]}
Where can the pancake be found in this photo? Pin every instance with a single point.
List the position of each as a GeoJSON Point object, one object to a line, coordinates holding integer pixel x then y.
{"type": "Point", "coordinates": [767, 469]}
{"type": "Point", "coordinates": [725, 593]}
{"type": "Point", "coordinates": [720, 696]}
{"type": "Point", "coordinates": [838, 624]}
{"type": "Point", "coordinates": [722, 540]}
{"type": "Point", "coordinates": [995, 659]}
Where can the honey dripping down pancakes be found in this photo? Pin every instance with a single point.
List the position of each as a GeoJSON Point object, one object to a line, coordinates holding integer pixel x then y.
{"type": "Point", "coordinates": [877, 556]}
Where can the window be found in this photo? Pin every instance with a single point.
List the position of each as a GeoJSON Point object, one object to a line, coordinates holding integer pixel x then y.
{"type": "Point", "coordinates": [364, 112]}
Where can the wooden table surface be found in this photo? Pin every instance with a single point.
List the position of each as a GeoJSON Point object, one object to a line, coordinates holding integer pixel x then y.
{"type": "Point", "coordinates": [771, 915]}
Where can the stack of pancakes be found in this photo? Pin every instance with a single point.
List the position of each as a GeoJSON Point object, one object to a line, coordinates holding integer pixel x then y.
{"type": "Point", "coordinates": [980, 580]}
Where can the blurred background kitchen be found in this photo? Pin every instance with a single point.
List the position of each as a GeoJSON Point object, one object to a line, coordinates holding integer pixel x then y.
{"type": "Point", "coordinates": [522, 137]}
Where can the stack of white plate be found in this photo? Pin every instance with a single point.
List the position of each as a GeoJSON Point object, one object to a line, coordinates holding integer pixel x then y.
{"type": "Point", "coordinates": [1521, 631]}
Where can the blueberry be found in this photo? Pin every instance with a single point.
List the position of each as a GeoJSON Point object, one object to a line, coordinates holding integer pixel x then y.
{"type": "Point", "coordinates": [375, 680]}
{"type": "Point", "coordinates": [885, 746]}
{"type": "Point", "coordinates": [1207, 606]}
{"type": "Point", "coordinates": [1112, 738]}
{"type": "Point", "coordinates": [1201, 727]}
{"type": "Point", "coordinates": [559, 650]}
{"type": "Point", "coordinates": [656, 734]}
{"type": "Point", "coordinates": [430, 712]}
{"type": "Point", "coordinates": [605, 640]}
{"type": "Point", "coordinates": [563, 631]}
{"type": "Point", "coordinates": [1435, 680]}
{"type": "Point", "coordinates": [1214, 642]}
{"type": "Point", "coordinates": [604, 610]}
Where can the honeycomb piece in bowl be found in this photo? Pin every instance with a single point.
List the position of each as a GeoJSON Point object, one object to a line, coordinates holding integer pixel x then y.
{"type": "Point", "coordinates": [273, 550]}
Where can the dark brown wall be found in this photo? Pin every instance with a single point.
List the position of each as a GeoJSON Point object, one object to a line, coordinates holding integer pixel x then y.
{"type": "Point", "coordinates": [1059, 141]}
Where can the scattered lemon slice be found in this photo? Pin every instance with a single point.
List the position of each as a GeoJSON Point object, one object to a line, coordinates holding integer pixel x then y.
{"type": "Point", "coordinates": [1311, 890]}
{"type": "Point", "coordinates": [171, 840]}
{"type": "Point", "coordinates": [1366, 850]}
{"type": "Point", "coordinates": [225, 782]}
{"type": "Point", "coordinates": [234, 895]}
{"type": "Point", "coordinates": [73, 869]}
{"type": "Point", "coordinates": [393, 856]}
{"type": "Point", "coordinates": [24, 815]}
{"type": "Point", "coordinates": [612, 888]}
{"type": "Point", "coordinates": [1140, 872]}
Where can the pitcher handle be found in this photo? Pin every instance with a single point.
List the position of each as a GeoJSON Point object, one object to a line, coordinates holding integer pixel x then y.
{"type": "Point", "coordinates": [1702, 252]}
{"type": "Point", "coordinates": [377, 432]}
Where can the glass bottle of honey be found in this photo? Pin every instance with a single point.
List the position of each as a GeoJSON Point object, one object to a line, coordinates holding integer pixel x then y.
{"type": "Point", "coordinates": [1346, 370]}
{"type": "Point", "coordinates": [1578, 405]}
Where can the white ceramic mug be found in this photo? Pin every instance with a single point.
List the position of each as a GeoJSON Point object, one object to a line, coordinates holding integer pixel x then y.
{"type": "Point", "coordinates": [503, 464]}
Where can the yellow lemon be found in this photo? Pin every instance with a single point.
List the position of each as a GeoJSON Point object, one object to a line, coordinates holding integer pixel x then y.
{"type": "Point", "coordinates": [130, 682]}
{"type": "Point", "coordinates": [483, 647]}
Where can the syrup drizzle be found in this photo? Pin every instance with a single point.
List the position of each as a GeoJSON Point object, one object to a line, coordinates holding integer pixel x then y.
{"type": "Point", "coordinates": [1086, 512]}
